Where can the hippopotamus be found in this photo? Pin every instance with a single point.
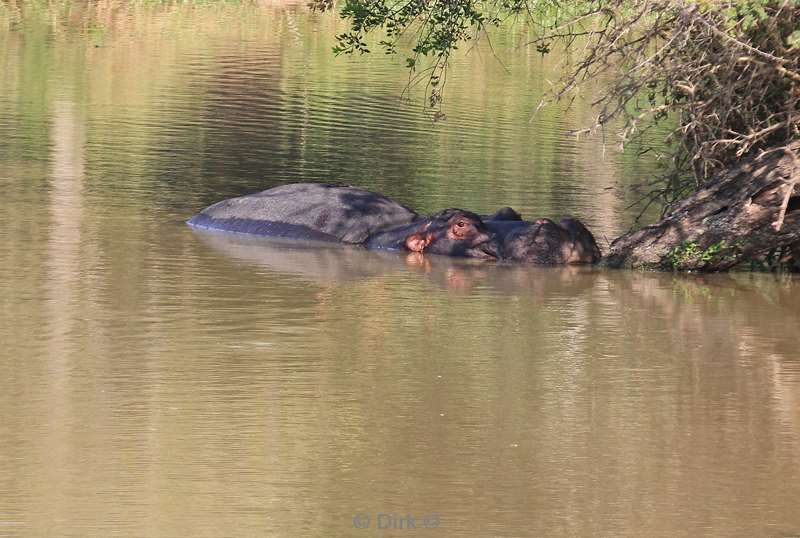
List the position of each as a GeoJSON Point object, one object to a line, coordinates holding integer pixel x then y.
{"type": "Point", "coordinates": [311, 211]}
{"type": "Point", "coordinates": [452, 232]}
{"type": "Point", "coordinates": [344, 214]}
{"type": "Point", "coordinates": [334, 213]}
{"type": "Point", "coordinates": [545, 242]}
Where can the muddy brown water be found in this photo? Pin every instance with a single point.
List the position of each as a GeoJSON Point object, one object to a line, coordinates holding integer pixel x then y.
{"type": "Point", "coordinates": [158, 382]}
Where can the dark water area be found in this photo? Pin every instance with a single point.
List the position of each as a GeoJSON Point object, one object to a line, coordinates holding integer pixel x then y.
{"type": "Point", "coordinates": [160, 382]}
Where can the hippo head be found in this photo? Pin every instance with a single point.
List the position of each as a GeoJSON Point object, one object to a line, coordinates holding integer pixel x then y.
{"type": "Point", "coordinates": [455, 232]}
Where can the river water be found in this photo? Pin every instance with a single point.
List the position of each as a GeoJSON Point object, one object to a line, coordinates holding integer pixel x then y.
{"type": "Point", "coordinates": [160, 382]}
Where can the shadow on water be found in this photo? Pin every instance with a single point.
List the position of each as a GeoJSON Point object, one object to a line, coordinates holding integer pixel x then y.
{"type": "Point", "coordinates": [329, 262]}
{"type": "Point", "coordinates": [316, 261]}
{"type": "Point", "coordinates": [693, 305]}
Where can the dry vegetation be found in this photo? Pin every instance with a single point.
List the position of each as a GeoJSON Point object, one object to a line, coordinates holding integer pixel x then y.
{"type": "Point", "coordinates": [729, 77]}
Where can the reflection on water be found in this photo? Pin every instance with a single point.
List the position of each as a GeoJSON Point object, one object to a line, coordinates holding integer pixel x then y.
{"type": "Point", "coordinates": [162, 382]}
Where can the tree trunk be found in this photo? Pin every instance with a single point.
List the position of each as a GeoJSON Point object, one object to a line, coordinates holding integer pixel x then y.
{"type": "Point", "coordinates": [795, 257]}
{"type": "Point", "coordinates": [744, 215]}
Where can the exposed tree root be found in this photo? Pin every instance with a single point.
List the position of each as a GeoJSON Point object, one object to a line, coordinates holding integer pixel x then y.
{"type": "Point", "coordinates": [747, 214]}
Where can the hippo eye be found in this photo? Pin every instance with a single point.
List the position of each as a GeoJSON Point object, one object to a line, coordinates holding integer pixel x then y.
{"type": "Point", "coordinates": [461, 224]}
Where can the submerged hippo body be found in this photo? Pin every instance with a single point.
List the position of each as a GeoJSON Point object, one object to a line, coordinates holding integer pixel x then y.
{"type": "Point", "coordinates": [342, 214]}
{"type": "Point", "coordinates": [312, 211]}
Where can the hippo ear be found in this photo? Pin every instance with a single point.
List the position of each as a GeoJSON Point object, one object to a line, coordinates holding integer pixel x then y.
{"type": "Point", "coordinates": [418, 241]}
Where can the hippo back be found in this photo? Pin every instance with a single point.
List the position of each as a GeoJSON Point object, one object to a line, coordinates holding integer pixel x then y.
{"type": "Point", "coordinates": [307, 211]}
